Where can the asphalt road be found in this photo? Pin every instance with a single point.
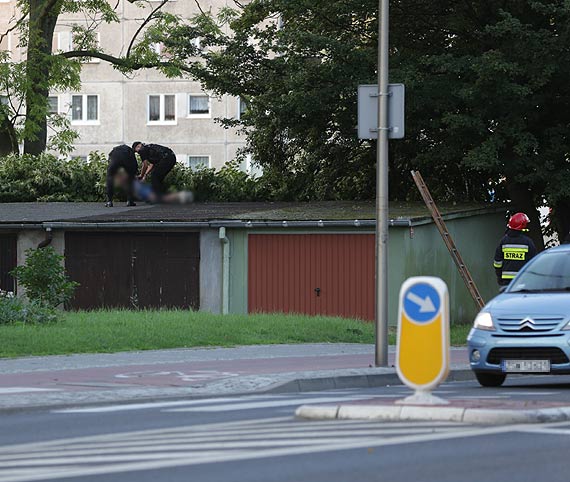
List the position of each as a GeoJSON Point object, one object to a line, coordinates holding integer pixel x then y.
{"type": "Point", "coordinates": [257, 439]}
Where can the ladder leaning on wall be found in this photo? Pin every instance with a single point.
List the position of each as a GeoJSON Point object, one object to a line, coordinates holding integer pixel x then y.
{"type": "Point", "coordinates": [448, 240]}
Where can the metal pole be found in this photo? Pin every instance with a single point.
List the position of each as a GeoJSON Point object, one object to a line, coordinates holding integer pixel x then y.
{"type": "Point", "coordinates": [381, 315]}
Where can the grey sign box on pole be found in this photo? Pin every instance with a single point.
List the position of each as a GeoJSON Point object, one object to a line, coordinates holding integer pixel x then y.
{"type": "Point", "coordinates": [368, 111]}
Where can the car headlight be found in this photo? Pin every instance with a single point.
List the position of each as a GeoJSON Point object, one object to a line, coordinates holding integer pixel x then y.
{"type": "Point", "coordinates": [484, 321]}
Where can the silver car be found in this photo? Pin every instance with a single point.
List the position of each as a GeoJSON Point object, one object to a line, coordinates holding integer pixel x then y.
{"type": "Point", "coordinates": [526, 328]}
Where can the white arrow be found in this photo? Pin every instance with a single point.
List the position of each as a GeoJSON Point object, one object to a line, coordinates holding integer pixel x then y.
{"type": "Point", "coordinates": [426, 305]}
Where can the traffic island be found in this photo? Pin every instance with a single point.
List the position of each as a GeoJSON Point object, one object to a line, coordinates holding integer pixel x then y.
{"type": "Point", "coordinates": [490, 412]}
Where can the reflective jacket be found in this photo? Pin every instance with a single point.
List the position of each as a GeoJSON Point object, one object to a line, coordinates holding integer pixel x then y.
{"type": "Point", "coordinates": [513, 252]}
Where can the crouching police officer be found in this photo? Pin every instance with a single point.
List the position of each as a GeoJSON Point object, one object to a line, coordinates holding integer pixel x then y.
{"type": "Point", "coordinates": [156, 159]}
{"type": "Point", "coordinates": [121, 157]}
{"type": "Point", "coordinates": [514, 250]}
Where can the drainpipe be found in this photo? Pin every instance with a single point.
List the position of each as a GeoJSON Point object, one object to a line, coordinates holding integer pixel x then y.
{"type": "Point", "coordinates": [225, 270]}
{"type": "Point", "coordinates": [47, 240]}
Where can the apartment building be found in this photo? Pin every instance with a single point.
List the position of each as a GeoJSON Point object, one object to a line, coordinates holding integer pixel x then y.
{"type": "Point", "coordinates": [112, 109]}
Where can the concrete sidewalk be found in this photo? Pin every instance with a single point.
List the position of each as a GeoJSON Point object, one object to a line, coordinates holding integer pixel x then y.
{"type": "Point", "coordinates": [56, 381]}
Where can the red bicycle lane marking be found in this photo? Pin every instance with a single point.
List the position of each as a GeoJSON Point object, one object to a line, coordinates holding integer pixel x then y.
{"type": "Point", "coordinates": [183, 374]}
{"type": "Point", "coordinates": [176, 374]}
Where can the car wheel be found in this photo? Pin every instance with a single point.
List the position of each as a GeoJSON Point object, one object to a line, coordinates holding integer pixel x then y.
{"type": "Point", "coordinates": [490, 379]}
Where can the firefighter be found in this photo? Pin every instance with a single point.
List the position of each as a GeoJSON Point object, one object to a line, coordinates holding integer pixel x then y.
{"type": "Point", "coordinates": [514, 250]}
{"type": "Point", "coordinates": [121, 157]}
{"type": "Point", "coordinates": [156, 159]}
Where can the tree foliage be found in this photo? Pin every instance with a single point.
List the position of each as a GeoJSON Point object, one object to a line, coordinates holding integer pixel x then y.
{"type": "Point", "coordinates": [486, 95]}
{"type": "Point", "coordinates": [27, 83]}
{"type": "Point", "coordinates": [44, 279]}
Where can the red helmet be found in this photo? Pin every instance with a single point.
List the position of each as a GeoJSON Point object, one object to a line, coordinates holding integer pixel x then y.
{"type": "Point", "coordinates": [518, 221]}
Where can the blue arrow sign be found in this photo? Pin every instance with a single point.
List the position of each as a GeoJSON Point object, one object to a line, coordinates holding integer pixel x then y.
{"type": "Point", "coordinates": [421, 302]}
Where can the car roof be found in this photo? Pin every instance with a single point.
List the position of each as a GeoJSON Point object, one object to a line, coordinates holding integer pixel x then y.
{"type": "Point", "coordinates": [557, 249]}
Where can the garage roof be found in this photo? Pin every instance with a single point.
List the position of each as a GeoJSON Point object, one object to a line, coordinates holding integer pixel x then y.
{"type": "Point", "coordinates": [96, 213]}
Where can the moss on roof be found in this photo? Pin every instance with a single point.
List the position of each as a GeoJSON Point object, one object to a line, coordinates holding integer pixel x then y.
{"type": "Point", "coordinates": [348, 210]}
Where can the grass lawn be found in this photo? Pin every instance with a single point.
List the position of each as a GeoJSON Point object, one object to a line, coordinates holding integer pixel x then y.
{"type": "Point", "coordinates": [113, 331]}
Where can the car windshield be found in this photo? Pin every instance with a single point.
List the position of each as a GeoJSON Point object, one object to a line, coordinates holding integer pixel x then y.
{"type": "Point", "coordinates": [549, 272]}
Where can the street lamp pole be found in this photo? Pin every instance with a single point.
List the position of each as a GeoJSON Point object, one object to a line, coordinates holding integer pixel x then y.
{"type": "Point", "coordinates": [381, 313]}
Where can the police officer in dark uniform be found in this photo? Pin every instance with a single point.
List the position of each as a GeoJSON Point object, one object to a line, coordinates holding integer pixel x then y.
{"type": "Point", "coordinates": [156, 159]}
{"type": "Point", "coordinates": [514, 250]}
{"type": "Point", "coordinates": [121, 157]}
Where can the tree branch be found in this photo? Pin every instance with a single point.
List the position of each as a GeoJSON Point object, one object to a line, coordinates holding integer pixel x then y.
{"type": "Point", "coordinates": [199, 7]}
{"type": "Point", "coordinates": [12, 28]}
{"type": "Point", "coordinates": [124, 62]}
{"type": "Point", "coordinates": [144, 24]}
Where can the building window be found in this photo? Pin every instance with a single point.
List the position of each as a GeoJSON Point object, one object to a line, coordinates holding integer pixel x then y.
{"type": "Point", "coordinates": [4, 100]}
{"type": "Point", "coordinates": [242, 107]}
{"type": "Point", "coordinates": [196, 42]}
{"type": "Point", "coordinates": [84, 109]}
{"type": "Point", "coordinates": [162, 109]}
{"type": "Point", "coordinates": [159, 49]}
{"type": "Point", "coordinates": [198, 105]}
{"type": "Point", "coordinates": [196, 162]}
{"type": "Point", "coordinates": [53, 105]}
{"type": "Point", "coordinates": [65, 43]}
{"type": "Point", "coordinates": [6, 43]}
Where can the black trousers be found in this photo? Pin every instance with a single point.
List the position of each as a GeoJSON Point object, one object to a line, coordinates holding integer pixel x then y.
{"type": "Point", "coordinates": [159, 172]}
{"type": "Point", "coordinates": [114, 166]}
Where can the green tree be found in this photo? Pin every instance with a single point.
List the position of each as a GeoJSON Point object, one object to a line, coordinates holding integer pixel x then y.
{"type": "Point", "coordinates": [295, 65]}
{"type": "Point", "coordinates": [27, 84]}
{"type": "Point", "coordinates": [486, 84]}
{"type": "Point", "coordinates": [43, 276]}
{"type": "Point", "coordinates": [500, 98]}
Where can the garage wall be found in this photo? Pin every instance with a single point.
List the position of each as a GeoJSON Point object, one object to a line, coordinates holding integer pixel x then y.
{"type": "Point", "coordinates": [210, 271]}
{"type": "Point", "coordinates": [425, 254]}
{"type": "Point", "coordinates": [134, 270]}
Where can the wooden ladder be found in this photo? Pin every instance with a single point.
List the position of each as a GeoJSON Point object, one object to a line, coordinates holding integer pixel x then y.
{"type": "Point", "coordinates": [448, 240]}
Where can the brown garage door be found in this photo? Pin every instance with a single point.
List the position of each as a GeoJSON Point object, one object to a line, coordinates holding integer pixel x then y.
{"type": "Point", "coordinates": [328, 274]}
{"type": "Point", "coordinates": [7, 261]}
{"type": "Point", "coordinates": [134, 270]}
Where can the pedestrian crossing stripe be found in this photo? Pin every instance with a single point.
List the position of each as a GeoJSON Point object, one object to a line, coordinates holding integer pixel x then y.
{"type": "Point", "coordinates": [10, 390]}
{"type": "Point", "coordinates": [268, 404]}
{"type": "Point", "coordinates": [116, 453]}
{"type": "Point", "coordinates": [224, 403]}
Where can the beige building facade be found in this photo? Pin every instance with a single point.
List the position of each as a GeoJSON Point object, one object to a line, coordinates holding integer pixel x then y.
{"type": "Point", "coordinates": [112, 109]}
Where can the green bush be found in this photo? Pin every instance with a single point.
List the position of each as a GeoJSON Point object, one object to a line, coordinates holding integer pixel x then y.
{"type": "Point", "coordinates": [28, 178]}
{"type": "Point", "coordinates": [43, 276]}
{"type": "Point", "coordinates": [45, 177]}
{"type": "Point", "coordinates": [14, 310]}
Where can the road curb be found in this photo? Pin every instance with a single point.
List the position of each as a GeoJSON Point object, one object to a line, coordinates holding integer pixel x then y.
{"type": "Point", "coordinates": [355, 381]}
{"type": "Point", "coordinates": [432, 413]}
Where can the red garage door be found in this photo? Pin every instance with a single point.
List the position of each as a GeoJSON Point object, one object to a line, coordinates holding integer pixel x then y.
{"type": "Point", "coordinates": [326, 274]}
